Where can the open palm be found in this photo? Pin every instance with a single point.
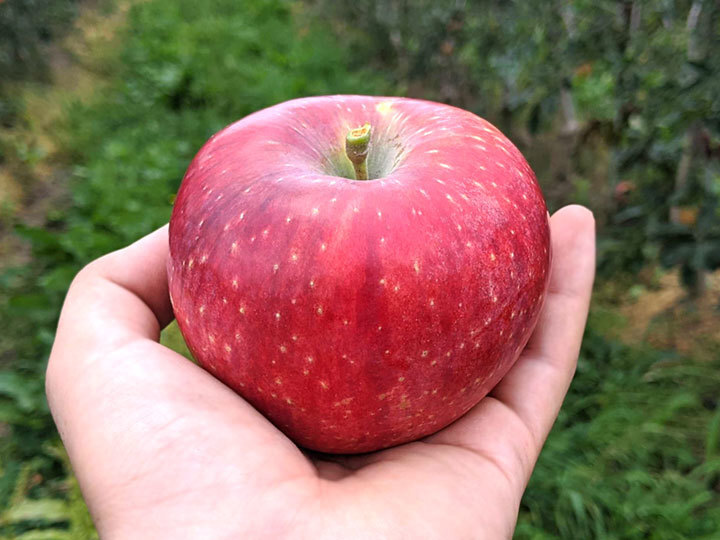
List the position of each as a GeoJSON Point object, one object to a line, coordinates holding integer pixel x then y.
{"type": "Point", "coordinates": [163, 450]}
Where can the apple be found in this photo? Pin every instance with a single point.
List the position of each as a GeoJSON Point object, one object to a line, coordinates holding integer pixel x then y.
{"type": "Point", "coordinates": [362, 270]}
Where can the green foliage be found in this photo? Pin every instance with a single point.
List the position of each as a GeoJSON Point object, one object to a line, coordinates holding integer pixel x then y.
{"type": "Point", "coordinates": [633, 453]}
{"type": "Point", "coordinates": [27, 27]}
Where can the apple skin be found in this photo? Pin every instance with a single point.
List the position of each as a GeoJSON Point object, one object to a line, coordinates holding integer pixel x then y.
{"type": "Point", "coordinates": [358, 315]}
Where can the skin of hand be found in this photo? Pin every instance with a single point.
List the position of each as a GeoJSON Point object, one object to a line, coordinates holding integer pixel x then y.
{"type": "Point", "coordinates": [162, 449]}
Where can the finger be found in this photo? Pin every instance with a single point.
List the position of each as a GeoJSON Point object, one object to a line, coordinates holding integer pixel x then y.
{"type": "Point", "coordinates": [510, 426]}
{"type": "Point", "coordinates": [118, 298]}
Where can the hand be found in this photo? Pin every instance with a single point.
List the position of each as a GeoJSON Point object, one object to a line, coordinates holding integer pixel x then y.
{"type": "Point", "coordinates": [163, 450]}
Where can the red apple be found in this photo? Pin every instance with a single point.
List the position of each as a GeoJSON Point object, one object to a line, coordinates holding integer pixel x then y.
{"type": "Point", "coordinates": [359, 314]}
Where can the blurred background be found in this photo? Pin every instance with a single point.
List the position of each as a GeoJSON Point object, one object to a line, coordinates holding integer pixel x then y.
{"type": "Point", "coordinates": [615, 103]}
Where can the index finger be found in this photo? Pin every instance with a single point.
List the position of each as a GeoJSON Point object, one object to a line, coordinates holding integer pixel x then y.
{"type": "Point", "coordinates": [118, 298]}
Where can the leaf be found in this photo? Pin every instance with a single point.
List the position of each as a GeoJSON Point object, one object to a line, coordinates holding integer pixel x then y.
{"type": "Point", "coordinates": [47, 534]}
{"type": "Point", "coordinates": [712, 441]}
{"type": "Point", "coordinates": [44, 510]}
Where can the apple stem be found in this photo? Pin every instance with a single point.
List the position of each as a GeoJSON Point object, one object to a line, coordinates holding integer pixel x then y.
{"type": "Point", "coordinates": [357, 144]}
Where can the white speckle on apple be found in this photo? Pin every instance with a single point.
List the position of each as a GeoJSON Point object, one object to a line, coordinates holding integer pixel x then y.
{"type": "Point", "coordinates": [494, 299]}
{"type": "Point", "coordinates": [416, 266]}
{"type": "Point", "coordinates": [319, 310]}
{"type": "Point", "coordinates": [493, 184]}
{"type": "Point", "coordinates": [275, 267]}
{"type": "Point", "coordinates": [356, 209]}
{"type": "Point", "coordinates": [334, 199]}
{"type": "Point", "coordinates": [211, 338]}
{"type": "Point", "coordinates": [288, 219]}
{"type": "Point", "coordinates": [309, 359]}
{"type": "Point", "coordinates": [346, 322]}
{"type": "Point", "coordinates": [233, 247]}
{"type": "Point", "coordinates": [315, 211]}
{"type": "Point", "coordinates": [306, 371]}
{"type": "Point", "coordinates": [512, 254]}
{"type": "Point", "coordinates": [424, 193]}
{"type": "Point", "coordinates": [201, 309]}
{"type": "Point", "coordinates": [294, 257]}
{"type": "Point", "coordinates": [439, 181]}
{"type": "Point", "coordinates": [433, 151]}
{"type": "Point", "coordinates": [190, 263]}
{"type": "Point", "coordinates": [242, 310]}
{"type": "Point", "coordinates": [481, 147]}
{"type": "Point", "coordinates": [294, 337]}
{"type": "Point", "coordinates": [492, 257]}
{"type": "Point", "coordinates": [445, 166]}
{"type": "Point", "coordinates": [512, 231]}
{"type": "Point", "coordinates": [468, 244]}
{"type": "Point", "coordinates": [432, 302]}
{"type": "Point", "coordinates": [238, 337]}
{"type": "Point", "coordinates": [477, 138]}
{"type": "Point", "coordinates": [324, 385]}
{"type": "Point", "coordinates": [277, 316]}
{"type": "Point", "coordinates": [500, 164]}
{"type": "Point", "coordinates": [396, 288]}
{"type": "Point", "coordinates": [312, 283]}
{"type": "Point", "coordinates": [382, 281]}
{"type": "Point", "coordinates": [227, 348]}
{"type": "Point", "coordinates": [265, 232]}
{"type": "Point", "coordinates": [323, 247]}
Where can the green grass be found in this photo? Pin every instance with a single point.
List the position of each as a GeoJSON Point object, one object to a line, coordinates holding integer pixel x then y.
{"type": "Point", "coordinates": [636, 451]}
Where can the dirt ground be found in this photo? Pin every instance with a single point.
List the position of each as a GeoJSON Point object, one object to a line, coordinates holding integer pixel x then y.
{"type": "Point", "coordinates": [664, 317]}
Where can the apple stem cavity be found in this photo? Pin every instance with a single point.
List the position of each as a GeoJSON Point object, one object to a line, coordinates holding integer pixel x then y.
{"type": "Point", "coordinates": [357, 144]}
